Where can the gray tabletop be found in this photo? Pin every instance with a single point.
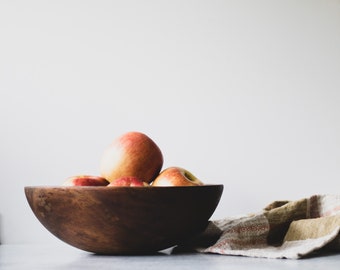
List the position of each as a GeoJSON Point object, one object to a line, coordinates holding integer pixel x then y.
{"type": "Point", "coordinates": [62, 256]}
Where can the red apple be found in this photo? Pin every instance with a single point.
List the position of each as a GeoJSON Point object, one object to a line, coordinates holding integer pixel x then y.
{"type": "Point", "coordinates": [176, 176]}
{"type": "Point", "coordinates": [86, 180]}
{"type": "Point", "coordinates": [128, 181]}
{"type": "Point", "coordinates": [132, 153]}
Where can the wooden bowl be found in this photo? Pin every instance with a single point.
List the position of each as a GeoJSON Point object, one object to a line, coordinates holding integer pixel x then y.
{"type": "Point", "coordinates": [124, 220]}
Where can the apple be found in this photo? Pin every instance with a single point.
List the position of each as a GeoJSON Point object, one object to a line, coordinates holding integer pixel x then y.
{"type": "Point", "coordinates": [131, 154]}
{"type": "Point", "coordinates": [86, 180]}
{"type": "Point", "coordinates": [128, 181]}
{"type": "Point", "coordinates": [176, 176]}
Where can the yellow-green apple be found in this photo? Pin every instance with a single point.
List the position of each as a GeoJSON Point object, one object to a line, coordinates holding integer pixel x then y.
{"type": "Point", "coordinates": [176, 176]}
{"type": "Point", "coordinates": [86, 180]}
{"type": "Point", "coordinates": [131, 154]}
{"type": "Point", "coordinates": [128, 181]}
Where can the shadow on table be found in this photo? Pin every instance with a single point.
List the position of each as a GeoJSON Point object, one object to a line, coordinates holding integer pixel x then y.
{"type": "Point", "coordinates": [157, 253]}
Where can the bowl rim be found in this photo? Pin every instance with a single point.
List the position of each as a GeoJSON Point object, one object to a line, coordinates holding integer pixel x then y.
{"type": "Point", "coordinates": [122, 187]}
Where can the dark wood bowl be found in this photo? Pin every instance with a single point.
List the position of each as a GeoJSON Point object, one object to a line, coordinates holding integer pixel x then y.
{"type": "Point", "coordinates": [124, 220]}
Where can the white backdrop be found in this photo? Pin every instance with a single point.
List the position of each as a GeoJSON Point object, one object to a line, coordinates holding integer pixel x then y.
{"type": "Point", "coordinates": [244, 93]}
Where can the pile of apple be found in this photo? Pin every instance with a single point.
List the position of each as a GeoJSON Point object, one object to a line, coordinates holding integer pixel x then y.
{"type": "Point", "coordinates": [134, 160]}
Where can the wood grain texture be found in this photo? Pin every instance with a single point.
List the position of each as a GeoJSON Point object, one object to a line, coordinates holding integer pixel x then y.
{"type": "Point", "coordinates": [124, 220]}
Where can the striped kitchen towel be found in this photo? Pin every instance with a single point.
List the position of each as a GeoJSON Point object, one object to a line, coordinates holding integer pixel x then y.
{"type": "Point", "coordinates": [283, 229]}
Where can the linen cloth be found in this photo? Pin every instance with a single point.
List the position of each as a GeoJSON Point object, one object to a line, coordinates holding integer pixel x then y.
{"type": "Point", "coordinates": [283, 229]}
